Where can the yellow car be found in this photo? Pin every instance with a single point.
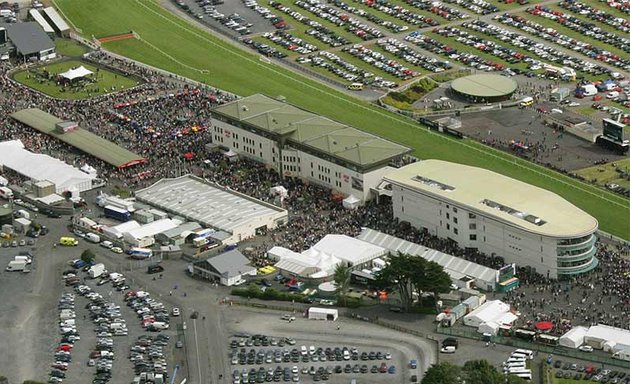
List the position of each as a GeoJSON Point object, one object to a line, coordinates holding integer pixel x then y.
{"type": "Point", "coordinates": [266, 270]}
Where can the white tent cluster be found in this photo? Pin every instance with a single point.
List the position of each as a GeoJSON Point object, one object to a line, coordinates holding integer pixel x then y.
{"type": "Point", "coordinates": [490, 316]}
{"type": "Point", "coordinates": [320, 260]}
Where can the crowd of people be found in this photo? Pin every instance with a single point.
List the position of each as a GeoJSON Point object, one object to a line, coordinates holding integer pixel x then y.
{"type": "Point", "coordinates": [163, 119]}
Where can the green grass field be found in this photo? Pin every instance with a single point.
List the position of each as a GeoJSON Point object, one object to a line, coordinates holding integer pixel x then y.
{"type": "Point", "coordinates": [69, 48]}
{"type": "Point", "coordinates": [607, 173]}
{"type": "Point", "coordinates": [106, 82]}
{"type": "Point", "coordinates": [174, 44]}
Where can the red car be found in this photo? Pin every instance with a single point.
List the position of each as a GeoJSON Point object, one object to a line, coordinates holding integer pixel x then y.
{"type": "Point", "coordinates": [64, 347]}
{"type": "Point", "coordinates": [383, 368]}
{"type": "Point", "coordinates": [60, 366]}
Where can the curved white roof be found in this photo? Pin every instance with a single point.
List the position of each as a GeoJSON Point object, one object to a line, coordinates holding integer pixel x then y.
{"type": "Point", "coordinates": [519, 204]}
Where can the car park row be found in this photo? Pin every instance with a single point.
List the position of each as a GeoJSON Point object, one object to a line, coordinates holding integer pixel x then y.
{"type": "Point", "coordinates": [318, 31]}
{"type": "Point", "coordinates": [539, 49]}
{"type": "Point", "coordinates": [552, 35]}
{"type": "Point", "coordinates": [290, 42]}
{"type": "Point", "coordinates": [583, 27]}
{"type": "Point", "coordinates": [437, 47]}
{"type": "Point", "coordinates": [242, 355]}
{"type": "Point", "coordinates": [265, 12]}
{"type": "Point", "coordinates": [589, 372]}
{"type": "Point", "coordinates": [68, 330]}
{"type": "Point", "coordinates": [599, 15]}
{"type": "Point", "coordinates": [479, 7]}
{"type": "Point", "coordinates": [403, 51]}
{"type": "Point", "coordinates": [437, 8]}
{"type": "Point", "coordinates": [401, 13]}
{"type": "Point", "coordinates": [380, 61]}
{"type": "Point", "coordinates": [340, 19]}
{"type": "Point", "coordinates": [345, 70]}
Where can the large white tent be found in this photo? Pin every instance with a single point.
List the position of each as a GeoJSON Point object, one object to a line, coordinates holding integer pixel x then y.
{"type": "Point", "coordinates": [490, 311]}
{"type": "Point", "coordinates": [574, 338]}
{"type": "Point", "coordinates": [39, 167]}
{"type": "Point", "coordinates": [76, 73]}
{"type": "Point", "coordinates": [320, 260]}
{"type": "Point", "coordinates": [608, 338]}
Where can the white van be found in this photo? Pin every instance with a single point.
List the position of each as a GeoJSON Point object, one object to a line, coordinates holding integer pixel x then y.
{"type": "Point", "coordinates": [25, 259]}
{"type": "Point", "coordinates": [612, 95]}
{"type": "Point", "coordinates": [107, 244]}
{"type": "Point", "coordinates": [94, 238]}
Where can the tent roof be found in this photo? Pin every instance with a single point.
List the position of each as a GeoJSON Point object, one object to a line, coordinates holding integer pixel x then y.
{"type": "Point", "coordinates": [494, 310]}
{"type": "Point", "coordinates": [38, 167]}
{"type": "Point", "coordinates": [606, 332]}
{"type": "Point", "coordinates": [152, 228]}
{"type": "Point", "coordinates": [574, 338]}
{"type": "Point", "coordinates": [76, 73]}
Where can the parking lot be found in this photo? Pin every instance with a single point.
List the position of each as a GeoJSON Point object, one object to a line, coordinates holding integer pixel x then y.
{"type": "Point", "coordinates": [334, 352]}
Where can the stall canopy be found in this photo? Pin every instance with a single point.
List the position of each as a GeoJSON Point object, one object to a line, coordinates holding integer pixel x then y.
{"type": "Point", "coordinates": [351, 202]}
{"type": "Point", "coordinates": [76, 73]}
{"type": "Point", "coordinates": [544, 325]}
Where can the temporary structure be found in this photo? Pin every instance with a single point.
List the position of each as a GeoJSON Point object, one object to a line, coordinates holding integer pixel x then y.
{"type": "Point", "coordinates": [574, 338]}
{"type": "Point", "coordinates": [351, 202]}
{"type": "Point", "coordinates": [76, 73]}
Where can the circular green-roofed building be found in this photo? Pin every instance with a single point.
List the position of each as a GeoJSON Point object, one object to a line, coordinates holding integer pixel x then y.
{"type": "Point", "coordinates": [484, 88]}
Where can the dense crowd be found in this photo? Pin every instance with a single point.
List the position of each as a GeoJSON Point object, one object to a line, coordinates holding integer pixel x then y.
{"type": "Point", "coordinates": [163, 119]}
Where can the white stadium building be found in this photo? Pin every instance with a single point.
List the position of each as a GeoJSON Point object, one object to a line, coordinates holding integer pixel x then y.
{"type": "Point", "coordinates": [495, 214]}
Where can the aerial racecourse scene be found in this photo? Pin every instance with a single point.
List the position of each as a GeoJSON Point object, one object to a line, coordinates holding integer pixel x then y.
{"type": "Point", "coordinates": [314, 191]}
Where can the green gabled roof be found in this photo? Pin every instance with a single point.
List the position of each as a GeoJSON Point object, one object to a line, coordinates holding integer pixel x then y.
{"type": "Point", "coordinates": [308, 129]}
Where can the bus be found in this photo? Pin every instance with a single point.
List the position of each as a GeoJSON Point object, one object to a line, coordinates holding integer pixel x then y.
{"type": "Point", "coordinates": [523, 375]}
{"type": "Point", "coordinates": [140, 253]}
{"type": "Point", "coordinates": [528, 353]}
{"type": "Point", "coordinates": [526, 102]}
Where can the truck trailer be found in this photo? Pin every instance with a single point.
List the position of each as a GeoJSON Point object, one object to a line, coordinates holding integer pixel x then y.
{"type": "Point", "coordinates": [96, 270]}
{"type": "Point", "coordinates": [17, 266]}
{"type": "Point", "coordinates": [117, 213]}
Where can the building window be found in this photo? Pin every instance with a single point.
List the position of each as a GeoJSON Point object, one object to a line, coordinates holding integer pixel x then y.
{"type": "Point", "coordinates": [472, 237]}
{"type": "Point", "coordinates": [448, 226]}
{"type": "Point", "coordinates": [455, 219]}
{"type": "Point", "coordinates": [402, 209]}
{"type": "Point", "coordinates": [454, 209]}
{"type": "Point", "coordinates": [456, 231]}
{"type": "Point", "coordinates": [448, 215]}
{"type": "Point", "coordinates": [472, 226]}
{"type": "Point", "coordinates": [472, 216]}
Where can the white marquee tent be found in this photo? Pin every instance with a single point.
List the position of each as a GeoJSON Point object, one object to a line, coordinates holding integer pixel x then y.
{"type": "Point", "coordinates": [490, 311]}
{"type": "Point", "coordinates": [608, 338]}
{"type": "Point", "coordinates": [574, 338]}
{"type": "Point", "coordinates": [320, 260]}
{"type": "Point", "coordinates": [38, 167]}
{"type": "Point", "coordinates": [76, 73]}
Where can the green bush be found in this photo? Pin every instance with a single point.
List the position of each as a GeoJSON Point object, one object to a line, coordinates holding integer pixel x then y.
{"type": "Point", "coordinates": [254, 291]}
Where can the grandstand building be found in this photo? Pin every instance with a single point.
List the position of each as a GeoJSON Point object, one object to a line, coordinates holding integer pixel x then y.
{"type": "Point", "coordinates": [495, 214]}
{"type": "Point", "coordinates": [298, 143]}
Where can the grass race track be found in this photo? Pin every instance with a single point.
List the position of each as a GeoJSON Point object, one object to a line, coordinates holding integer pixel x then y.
{"type": "Point", "coordinates": [169, 42]}
{"type": "Point", "coordinates": [106, 81]}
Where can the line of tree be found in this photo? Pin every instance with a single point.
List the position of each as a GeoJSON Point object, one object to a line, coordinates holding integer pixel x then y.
{"type": "Point", "coordinates": [473, 372]}
{"type": "Point", "coordinates": [410, 275]}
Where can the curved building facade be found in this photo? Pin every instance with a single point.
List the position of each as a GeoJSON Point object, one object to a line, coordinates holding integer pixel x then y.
{"type": "Point", "coordinates": [496, 215]}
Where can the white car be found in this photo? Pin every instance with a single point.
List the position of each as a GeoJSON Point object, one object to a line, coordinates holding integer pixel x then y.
{"type": "Point", "coordinates": [175, 312]}
{"type": "Point", "coordinates": [586, 348]}
{"type": "Point", "coordinates": [116, 250]}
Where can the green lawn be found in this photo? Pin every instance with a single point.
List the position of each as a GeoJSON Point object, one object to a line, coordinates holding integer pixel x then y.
{"type": "Point", "coordinates": [69, 48]}
{"type": "Point", "coordinates": [107, 81]}
{"type": "Point", "coordinates": [607, 174]}
{"type": "Point", "coordinates": [174, 44]}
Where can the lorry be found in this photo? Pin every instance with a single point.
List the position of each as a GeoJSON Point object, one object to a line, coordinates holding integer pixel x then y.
{"type": "Point", "coordinates": [621, 355]}
{"type": "Point", "coordinates": [6, 193]}
{"type": "Point", "coordinates": [92, 237]}
{"type": "Point", "coordinates": [117, 213]}
{"type": "Point", "coordinates": [96, 270]}
{"type": "Point", "coordinates": [17, 266]}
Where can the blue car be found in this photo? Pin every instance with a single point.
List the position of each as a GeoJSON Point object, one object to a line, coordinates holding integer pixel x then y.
{"type": "Point", "coordinates": [392, 369]}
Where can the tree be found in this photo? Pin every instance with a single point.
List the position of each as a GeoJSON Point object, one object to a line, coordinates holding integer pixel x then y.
{"type": "Point", "coordinates": [88, 256]}
{"type": "Point", "coordinates": [444, 373]}
{"type": "Point", "coordinates": [342, 280]}
{"type": "Point", "coordinates": [412, 274]}
{"type": "Point", "coordinates": [396, 274]}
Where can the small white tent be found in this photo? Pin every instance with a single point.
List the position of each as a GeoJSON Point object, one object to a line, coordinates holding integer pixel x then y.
{"type": "Point", "coordinates": [574, 338]}
{"type": "Point", "coordinates": [351, 202]}
{"type": "Point", "coordinates": [489, 327]}
{"type": "Point", "coordinates": [76, 73]}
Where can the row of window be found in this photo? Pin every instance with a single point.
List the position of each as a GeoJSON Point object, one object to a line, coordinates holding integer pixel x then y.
{"type": "Point", "coordinates": [291, 159]}
{"type": "Point", "coordinates": [292, 168]}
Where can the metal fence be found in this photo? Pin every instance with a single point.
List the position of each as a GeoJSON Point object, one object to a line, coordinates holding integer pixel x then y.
{"type": "Point", "coordinates": [547, 349]}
